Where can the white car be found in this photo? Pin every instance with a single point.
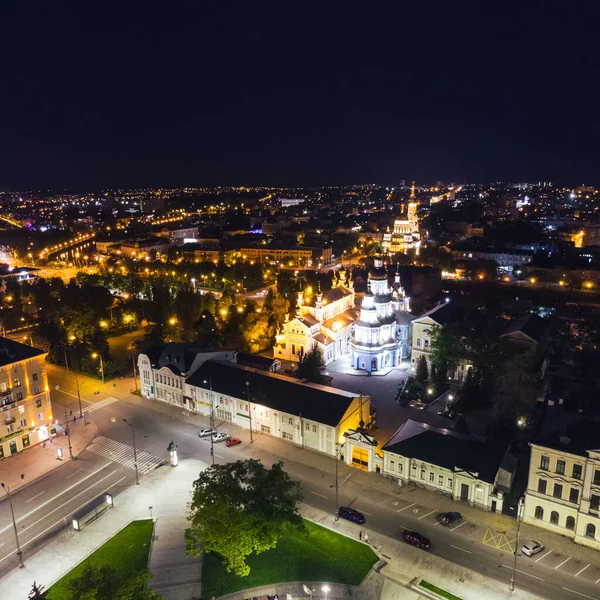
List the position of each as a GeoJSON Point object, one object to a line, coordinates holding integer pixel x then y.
{"type": "Point", "coordinates": [531, 547]}
{"type": "Point", "coordinates": [206, 432]}
{"type": "Point", "coordinates": [220, 437]}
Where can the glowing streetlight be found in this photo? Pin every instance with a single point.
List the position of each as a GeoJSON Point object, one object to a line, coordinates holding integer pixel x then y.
{"type": "Point", "coordinates": [96, 355]}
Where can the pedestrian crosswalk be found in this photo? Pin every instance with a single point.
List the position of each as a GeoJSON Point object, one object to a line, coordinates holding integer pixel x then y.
{"type": "Point", "coordinates": [123, 454]}
{"type": "Point", "coordinates": [98, 405]}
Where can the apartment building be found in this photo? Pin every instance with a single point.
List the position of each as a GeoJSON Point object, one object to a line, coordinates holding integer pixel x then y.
{"type": "Point", "coordinates": [563, 489]}
{"type": "Point", "coordinates": [24, 396]}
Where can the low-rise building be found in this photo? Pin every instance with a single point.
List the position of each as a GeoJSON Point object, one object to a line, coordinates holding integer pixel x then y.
{"type": "Point", "coordinates": [164, 369]}
{"type": "Point", "coordinates": [563, 488]}
{"type": "Point", "coordinates": [292, 256]}
{"type": "Point", "coordinates": [468, 468]}
{"type": "Point", "coordinates": [24, 397]}
{"type": "Point", "coordinates": [308, 415]}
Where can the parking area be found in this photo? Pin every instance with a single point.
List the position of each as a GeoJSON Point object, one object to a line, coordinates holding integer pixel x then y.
{"type": "Point", "coordinates": [502, 540]}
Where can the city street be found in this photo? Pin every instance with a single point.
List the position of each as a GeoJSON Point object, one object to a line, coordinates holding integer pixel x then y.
{"type": "Point", "coordinates": [45, 506]}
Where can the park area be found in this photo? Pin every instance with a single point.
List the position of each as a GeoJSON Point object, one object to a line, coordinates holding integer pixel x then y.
{"type": "Point", "coordinates": [126, 554]}
{"type": "Point", "coordinates": [318, 555]}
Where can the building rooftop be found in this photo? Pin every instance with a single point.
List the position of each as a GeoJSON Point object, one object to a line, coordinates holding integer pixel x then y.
{"type": "Point", "coordinates": [531, 325]}
{"type": "Point", "coordinates": [13, 352]}
{"type": "Point", "coordinates": [311, 401]}
{"type": "Point", "coordinates": [176, 356]}
{"type": "Point", "coordinates": [448, 449]}
{"type": "Point", "coordinates": [570, 434]}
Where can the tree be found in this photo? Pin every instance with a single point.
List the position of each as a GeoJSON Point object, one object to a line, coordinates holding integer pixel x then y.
{"type": "Point", "coordinates": [312, 365]}
{"type": "Point", "coordinates": [96, 582]}
{"type": "Point", "coordinates": [447, 349]}
{"type": "Point", "coordinates": [239, 509]}
{"type": "Point", "coordinates": [422, 373]}
{"type": "Point", "coordinates": [37, 592]}
{"type": "Point", "coordinates": [514, 383]}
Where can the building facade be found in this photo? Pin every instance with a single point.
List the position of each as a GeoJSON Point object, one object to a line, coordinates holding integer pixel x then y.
{"type": "Point", "coordinates": [563, 488]}
{"type": "Point", "coordinates": [308, 415]}
{"type": "Point", "coordinates": [466, 468]}
{"type": "Point", "coordinates": [405, 234]}
{"type": "Point", "coordinates": [322, 319]}
{"type": "Point", "coordinates": [380, 339]}
{"type": "Point", "coordinates": [27, 417]}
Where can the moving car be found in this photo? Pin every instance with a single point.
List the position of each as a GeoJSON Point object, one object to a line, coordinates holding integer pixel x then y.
{"type": "Point", "coordinates": [449, 518]}
{"type": "Point", "coordinates": [531, 547]}
{"type": "Point", "coordinates": [220, 437]}
{"type": "Point", "coordinates": [351, 514]}
{"type": "Point", "coordinates": [206, 432]}
{"type": "Point", "coordinates": [231, 441]}
{"type": "Point", "coordinates": [416, 539]}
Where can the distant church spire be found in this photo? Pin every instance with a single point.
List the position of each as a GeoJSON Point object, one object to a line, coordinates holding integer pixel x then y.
{"type": "Point", "coordinates": [412, 190]}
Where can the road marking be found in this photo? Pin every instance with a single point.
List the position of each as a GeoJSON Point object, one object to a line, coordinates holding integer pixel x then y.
{"type": "Point", "coordinates": [125, 455]}
{"type": "Point", "coordinates": [320, 495]}
{"type": "Point", "coordinates": [526, 573]}
{"type": "Point", "coordinates": [582, 570]}
{"type": "Point", "coordinates": [343, 482]}
{"type": "Point", "coordinates": [57, 522]}
{"type": "Point", "coordinates": [463, 523]}
{"type": "Point", "coordinates": [38, 495]}
{"type": "Point", "coordinates": [579, 593]}
{"type": "Point", "coordinates": [429, 513]}
{"type": "Point", "coordinates": [102, 404]}
{"type": "Point", "coordinates": [543, 556]}
{"type": "Point", "coordinates": [365, 512]}
{"type": "Point", "coordinates": [71, 475]}
{"type": "Point", "coordinates": [562, 563]}
{"type": "Point", "coordinates": [462, 549]}
{"type": "Point", "coordinates": [406, 507]}
{"type": "Point", "coordinates": [73, 498]}
{"type": "Point", "coordinates": [55, 497]}
{"type": "Point", "coordinates": [219, 456]}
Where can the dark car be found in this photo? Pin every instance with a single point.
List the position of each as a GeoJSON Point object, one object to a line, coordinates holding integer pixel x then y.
{"type": "Point", "coordinates": [351, 514]}
{"type": "Point", "coordinates": [416, 539]}
{"type": "Point", "coordinates": [449, 518]}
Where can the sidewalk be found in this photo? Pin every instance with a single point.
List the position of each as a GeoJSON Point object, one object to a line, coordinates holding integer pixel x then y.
{"type": "Point", "coordinates": [37, 461]}
{"type": "Point", "coordinates": [167, 490]}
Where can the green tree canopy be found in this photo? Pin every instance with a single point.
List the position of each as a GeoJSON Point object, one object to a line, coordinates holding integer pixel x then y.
{"type": "Point", "coordinates": [447, 348]}
{"type": "Point", "coordinates": [312, 364]}
{"type": "Point", "coordinates": [422, 373]}
{"type": "Point", "coordinates": [239, 509]}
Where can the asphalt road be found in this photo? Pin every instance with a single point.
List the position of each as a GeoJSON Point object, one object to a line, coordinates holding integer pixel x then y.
{"type": "Point", "coordinates": [45, 507]}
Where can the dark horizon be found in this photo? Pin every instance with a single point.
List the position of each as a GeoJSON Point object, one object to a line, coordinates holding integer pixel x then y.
{"type": "Point", "coordinates": [115, 96]}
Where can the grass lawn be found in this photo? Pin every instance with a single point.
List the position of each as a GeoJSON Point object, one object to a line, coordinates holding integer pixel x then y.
{"type": "Point", "coordinates": [127, 553]}
{"type": "Point", "coordinates": [437, 590]}
{"type": "Point", "coordinates": [322, 555]}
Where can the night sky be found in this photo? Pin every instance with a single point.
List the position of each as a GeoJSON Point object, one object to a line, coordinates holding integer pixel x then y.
{"type": "Point", "coordinates": [172, 93]}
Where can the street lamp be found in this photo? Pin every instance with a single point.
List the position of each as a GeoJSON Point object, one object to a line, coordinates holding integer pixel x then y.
{"type": "Point", "coordinates": [512, 577]}
{"type": "Point", "coordinates": [212, 421]}
{"type": "Point", "coordinates": [338, 449]}
{"type": "Point", "coordinates": [135, 465]}
{"type": "Point", "coordinates": [96, 355]}
{"type": "Point", "coordinates": [12, 514]}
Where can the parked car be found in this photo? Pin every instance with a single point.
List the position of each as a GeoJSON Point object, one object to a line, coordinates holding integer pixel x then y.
{"type": "Point", "coordinates": [220, 437]}
{"type": "Point", "coordinates": [231, 441]}
{"type": "Point", "coordinates": [351, 514]}
{"type": "Point", "coordinates": [449, 518]}
{"type": "Point", "coordinates": [416, 539]}
{"type": "Point", "coordinates": [206, 432]}
{"type": "Point", "coordinates": [531, 548]}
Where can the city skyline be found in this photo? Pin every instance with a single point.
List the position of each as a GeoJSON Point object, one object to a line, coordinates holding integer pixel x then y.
{"type": "Point", "coordinates": [193, 96]}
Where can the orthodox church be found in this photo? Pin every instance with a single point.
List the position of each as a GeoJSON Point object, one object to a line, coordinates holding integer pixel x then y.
{"type": "Point", "coordinates": [322, 319]}
{"type": "Point", "coordinates": [381, 336]}
{"type": "Point", "coordinates": [406, 231]}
